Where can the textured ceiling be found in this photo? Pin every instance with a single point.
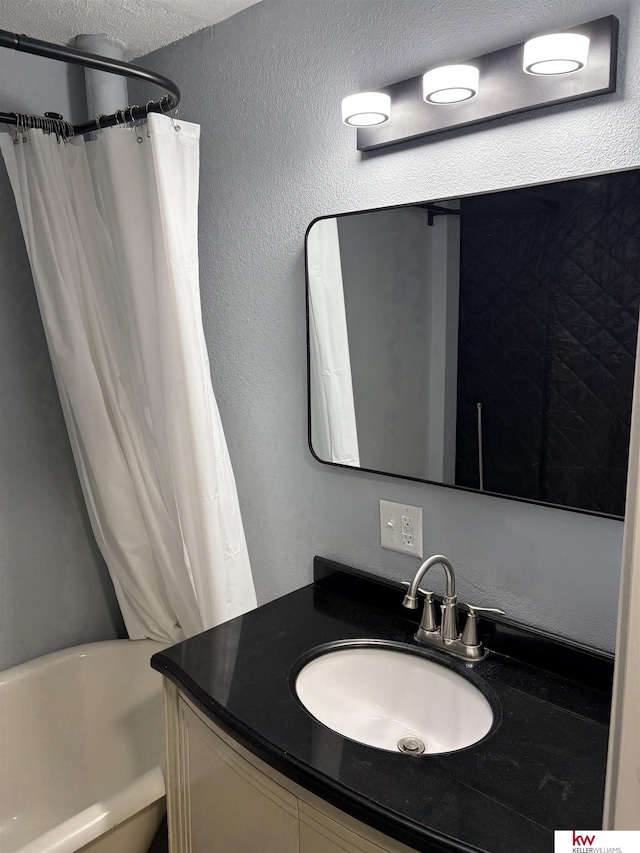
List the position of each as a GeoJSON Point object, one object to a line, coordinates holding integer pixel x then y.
{"type": "Point", "coordinates": [143, 25]}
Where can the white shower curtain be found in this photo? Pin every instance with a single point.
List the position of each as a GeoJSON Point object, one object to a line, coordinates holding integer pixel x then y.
{"type": "Point", "coordinates": [110, 227]}
{"type": "Point", "coordinates": [334, 434]}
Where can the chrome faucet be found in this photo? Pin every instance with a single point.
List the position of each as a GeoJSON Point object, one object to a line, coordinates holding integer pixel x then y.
{"type": "Point", "coordinates": [466, 645]}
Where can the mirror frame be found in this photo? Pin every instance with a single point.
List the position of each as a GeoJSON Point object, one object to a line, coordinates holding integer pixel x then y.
{"type": "Point", "coordinates": [405, 476]}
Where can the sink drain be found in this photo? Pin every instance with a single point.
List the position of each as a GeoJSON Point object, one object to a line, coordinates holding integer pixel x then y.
{"type": "Point", "coordinates": [411, 745]}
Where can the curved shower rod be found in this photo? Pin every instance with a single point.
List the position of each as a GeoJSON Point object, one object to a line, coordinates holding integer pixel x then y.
{"type": "Point", "coordinates": [102, 63]}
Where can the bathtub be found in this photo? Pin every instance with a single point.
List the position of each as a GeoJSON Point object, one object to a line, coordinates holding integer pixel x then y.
{"type": "Point", "coordinates": [82, 750]}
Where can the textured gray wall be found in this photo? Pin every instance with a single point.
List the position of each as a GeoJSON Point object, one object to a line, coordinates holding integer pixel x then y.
{"type": "Point", "coordinates": [54, 587]}
{"type": "Point", "coordinates": [266, 86]}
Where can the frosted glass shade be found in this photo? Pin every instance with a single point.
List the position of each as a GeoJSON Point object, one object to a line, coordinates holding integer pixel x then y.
{"type": "Point", "coordinates": [560, 53]}
{"type": "Point", "coordinates": [450, 84]}
{"type": "Point", "coordinates": [366, 109]}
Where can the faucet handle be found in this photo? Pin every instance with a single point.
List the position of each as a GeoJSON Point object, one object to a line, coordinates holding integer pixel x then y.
{"type": "Point", "coordinates": [428, 623]}
{"type": "Point", "coordinates": [474, 609]}
{"type": "Point", "coordinates": [411, 602]}
{"type": "Point", "coordinates": [470, 633]}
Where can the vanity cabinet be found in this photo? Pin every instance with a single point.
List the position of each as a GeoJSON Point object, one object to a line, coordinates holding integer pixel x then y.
{"type": "Point", "coordinates": [320, 834]}
{"type": "Point", "coordinates": [222, 799]}
{"type": "Point", "coordinates": [500, 794]}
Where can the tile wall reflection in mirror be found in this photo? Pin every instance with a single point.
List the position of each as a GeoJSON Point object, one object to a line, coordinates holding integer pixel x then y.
{"type": "Point", "coordinates": [486, 342]}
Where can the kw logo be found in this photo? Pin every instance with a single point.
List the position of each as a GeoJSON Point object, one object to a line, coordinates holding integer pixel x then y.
{"type": "Point", "coordinates": [583, 840]}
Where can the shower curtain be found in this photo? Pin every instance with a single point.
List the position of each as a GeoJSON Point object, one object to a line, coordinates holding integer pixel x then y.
{"type": "Point", "coordinates": [110, 227]}
{"type": "Point", "coordinates": [334, 435]}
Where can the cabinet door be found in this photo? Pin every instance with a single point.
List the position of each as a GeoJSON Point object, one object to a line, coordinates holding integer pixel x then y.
{"type": "Point", "coordinates": [321, 834]}
{"type": "Point", "coordinates": [230, 806]}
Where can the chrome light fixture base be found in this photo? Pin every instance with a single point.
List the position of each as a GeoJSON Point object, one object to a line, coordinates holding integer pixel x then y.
{"type": "Point", "coordinates": [505, 89]}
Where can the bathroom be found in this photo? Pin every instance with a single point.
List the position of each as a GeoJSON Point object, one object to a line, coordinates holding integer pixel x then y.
{"type": "Point", "coordinates": [265, 85]}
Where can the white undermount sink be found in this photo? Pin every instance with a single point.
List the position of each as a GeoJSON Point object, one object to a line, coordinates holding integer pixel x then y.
{"type": "Point", "coordinates": [393, 700]}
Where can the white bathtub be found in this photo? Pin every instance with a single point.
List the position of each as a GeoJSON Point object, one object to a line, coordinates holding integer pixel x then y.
{"type": "Point", "coordinates": [82, 751]}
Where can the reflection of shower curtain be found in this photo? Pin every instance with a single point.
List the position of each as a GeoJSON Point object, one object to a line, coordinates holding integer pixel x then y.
{"type": "Point", "coordinates": [622, 791]}
{"type": "Point", "coordinates": [111, 231]}
{"type": "Point", "coordinates": [334, 435]}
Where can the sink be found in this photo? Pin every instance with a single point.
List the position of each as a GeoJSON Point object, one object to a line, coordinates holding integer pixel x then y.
{"type": "Point", "coordinates": [394, 699]}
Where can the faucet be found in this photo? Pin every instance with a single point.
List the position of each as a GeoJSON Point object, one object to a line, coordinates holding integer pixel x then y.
{"type": "Point", "coordinates": [466, 645]}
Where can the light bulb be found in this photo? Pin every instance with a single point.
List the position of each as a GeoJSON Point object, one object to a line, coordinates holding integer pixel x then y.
{"type": "Point", "coordinates": [450, 84]}
{"type": "Point", "coordinates": [559, 53]}
{"type": "Point", "coordinates": [366, 109]}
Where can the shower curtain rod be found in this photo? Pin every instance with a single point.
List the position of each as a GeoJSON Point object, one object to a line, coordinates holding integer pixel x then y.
{"type": "Point", "coordinates": [51, 50]}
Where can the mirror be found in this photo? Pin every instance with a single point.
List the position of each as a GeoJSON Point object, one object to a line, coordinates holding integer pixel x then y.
{"type": "Point", "coordinates": [485, 343]}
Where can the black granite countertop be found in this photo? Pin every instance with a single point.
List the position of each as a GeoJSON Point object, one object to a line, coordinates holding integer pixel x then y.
{"type": "Point", "coordinates": [540, 768]}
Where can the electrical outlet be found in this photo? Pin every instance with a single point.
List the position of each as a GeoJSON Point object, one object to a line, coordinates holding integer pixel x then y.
{"type": "Point", "coordinates": [407, 530]}
{"type": "Point", "coordinates": [401, 528]}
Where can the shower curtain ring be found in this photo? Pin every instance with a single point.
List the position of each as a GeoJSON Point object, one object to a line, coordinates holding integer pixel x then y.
{"type": "Point", "coordinates": [165, 100]}
{"type": "Point", "coordinates": [16, 141]}
{"type": "Point", "coordinates": [175, 126]}
{"type": "Point", "coordinates": [135, 123]}
{"type": "Point", "coordinates": [147, 119]}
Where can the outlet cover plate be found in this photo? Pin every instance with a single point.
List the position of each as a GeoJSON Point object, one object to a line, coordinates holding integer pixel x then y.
{"type": "Point", "coordinates": [401, 528]}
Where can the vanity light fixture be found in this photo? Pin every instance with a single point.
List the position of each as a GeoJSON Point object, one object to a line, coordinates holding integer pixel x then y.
{"type": "Point", "coordinates": [517, 79]}
{"type": "Point", "coordinates": [558, 53]}
{"type": "Point", "coordinates": [450, 84]}
{"type": "Point", "coordinates": [366, 109]}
